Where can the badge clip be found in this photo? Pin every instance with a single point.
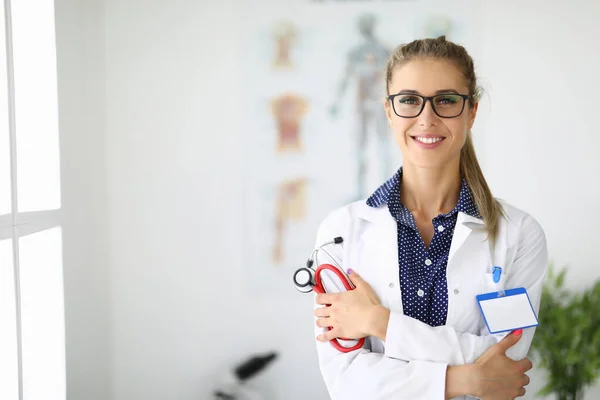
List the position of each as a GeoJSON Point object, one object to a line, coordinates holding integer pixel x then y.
{"type": "Point", "coordinates": [497, 274]}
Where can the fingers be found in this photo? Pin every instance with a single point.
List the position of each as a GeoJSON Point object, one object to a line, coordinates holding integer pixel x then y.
{"type": "Point", "coordinates": [509, 340]}
{"type": "Point", "coordinates": [517, 333]}
{"type": "Point", "coordinates": [323, 322]}
{"type": "Point", "coordinates": [327, 336]}
{"type": "Point", "coordinates": [524, 382]}
{"type": "Point", "coordinates": [323, 312]}
{"type": "Point", "coordinates": [526, 364]}
{"type": "Point", "coordinates": [522, 390]}
{"type": "Point", "coordinates": [355, 278]}
{"type": "Point", "coordinates": [326, 298]}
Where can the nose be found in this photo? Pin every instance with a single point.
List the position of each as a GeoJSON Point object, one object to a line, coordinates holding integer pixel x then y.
{"type": "Point", "coordinates": [428, 117]}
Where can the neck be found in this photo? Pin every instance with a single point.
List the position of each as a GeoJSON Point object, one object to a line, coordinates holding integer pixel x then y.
{"type": "Point", "coordinates": [430, 191]}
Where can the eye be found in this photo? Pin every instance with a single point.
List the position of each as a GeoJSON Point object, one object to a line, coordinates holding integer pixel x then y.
{"type": "Point", "coordinates": [409, 100]}
{"type": "Point", "coordinates": [445, 100]}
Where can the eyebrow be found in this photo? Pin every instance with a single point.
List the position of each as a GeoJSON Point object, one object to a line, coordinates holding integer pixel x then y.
{"type": "Point", "coordinates": [442, 91]}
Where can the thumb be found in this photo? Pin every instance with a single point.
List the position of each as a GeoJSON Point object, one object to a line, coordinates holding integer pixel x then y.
{"type": "Point", "coordinates": [510, 340]}
{"type": "Point", "coordinates": [355, 278]}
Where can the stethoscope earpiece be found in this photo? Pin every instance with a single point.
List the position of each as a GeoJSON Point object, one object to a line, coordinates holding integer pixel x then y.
{"type": "Point", "coordinates": [304, 278]}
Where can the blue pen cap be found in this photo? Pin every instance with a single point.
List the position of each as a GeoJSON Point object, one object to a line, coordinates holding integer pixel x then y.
{"type": "Point", "coordinates": [497, 274]}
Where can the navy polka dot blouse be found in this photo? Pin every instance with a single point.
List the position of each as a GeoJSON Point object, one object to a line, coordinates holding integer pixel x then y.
{"type": "Point", "coordinates": [423, 271]}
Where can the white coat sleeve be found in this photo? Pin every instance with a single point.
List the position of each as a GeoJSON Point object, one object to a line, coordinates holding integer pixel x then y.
{"type": "Point", "coordinates": [363, 374]}
{"type": "Point", "coordinates": [405, 335]}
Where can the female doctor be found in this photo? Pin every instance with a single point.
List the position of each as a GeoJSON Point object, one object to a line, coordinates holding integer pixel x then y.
{"type": "Point", "coordinates": [422, 247]}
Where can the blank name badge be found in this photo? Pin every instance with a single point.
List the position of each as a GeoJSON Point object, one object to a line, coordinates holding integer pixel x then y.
{"type": "Point", "coordinates": [507, 310]}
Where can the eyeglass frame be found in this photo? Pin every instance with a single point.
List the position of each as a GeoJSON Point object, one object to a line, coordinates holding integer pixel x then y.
{"type": "Point", "coordinates": [430, 99]}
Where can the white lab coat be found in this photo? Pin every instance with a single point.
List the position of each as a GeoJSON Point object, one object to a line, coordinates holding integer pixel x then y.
{"type": "Point", "coordinates": [412, 363]}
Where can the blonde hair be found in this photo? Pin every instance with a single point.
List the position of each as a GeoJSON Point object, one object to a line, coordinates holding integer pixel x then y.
{"type": "Point", "coordinates": [489, 208]}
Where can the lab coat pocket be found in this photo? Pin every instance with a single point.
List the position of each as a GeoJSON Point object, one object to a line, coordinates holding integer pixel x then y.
{"type": "Point", "coordinates": [488, 285]}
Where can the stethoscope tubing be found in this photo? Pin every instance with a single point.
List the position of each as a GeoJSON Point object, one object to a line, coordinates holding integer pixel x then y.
{"type": "Point", "coordinates": [320, 288]}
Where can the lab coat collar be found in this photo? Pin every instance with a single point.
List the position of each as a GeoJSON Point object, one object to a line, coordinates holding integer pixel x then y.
{"type": "Point", "coordinates": [382, 214]}
{"type": "Point", "coordinates": [386, 226]}
{"type": "Point", "coordinates": [392, 188]}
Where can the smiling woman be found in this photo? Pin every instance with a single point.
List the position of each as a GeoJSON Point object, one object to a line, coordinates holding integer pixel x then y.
{"type": "Point", "coordinates": [422, 247]}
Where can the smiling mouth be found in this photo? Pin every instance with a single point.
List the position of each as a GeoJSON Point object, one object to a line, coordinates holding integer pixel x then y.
{"type": "Point", "coordinates": [428, 140]}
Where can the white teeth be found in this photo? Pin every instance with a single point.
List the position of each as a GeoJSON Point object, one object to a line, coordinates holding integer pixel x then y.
{"type": "Point", "coordinates": [428, 140]}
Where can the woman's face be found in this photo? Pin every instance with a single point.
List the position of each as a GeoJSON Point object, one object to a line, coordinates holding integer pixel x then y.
{"type": "Point", "coordinates": [428, 140]}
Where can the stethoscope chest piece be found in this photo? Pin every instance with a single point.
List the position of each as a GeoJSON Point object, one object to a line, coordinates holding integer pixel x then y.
{"type": "Point", "coordinates": [307, 279]}
{"type": "Point", "coordinates": [304, 279]}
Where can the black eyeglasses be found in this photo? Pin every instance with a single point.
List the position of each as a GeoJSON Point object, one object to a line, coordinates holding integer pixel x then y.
{"type": "Point", "coordinates": [448, 105]}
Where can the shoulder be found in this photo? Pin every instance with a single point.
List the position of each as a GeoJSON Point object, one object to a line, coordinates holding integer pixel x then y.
{"type": "Point", "coordinates": [523, 240]}
{"type": "Point", "coordinates": [340, 222]}
{"type": "Point", "coordinates": [520, 224]}
{"type": "Point", "coordinates": [518, 218]}
{"type": "Point", "coordinates": [342, 216]}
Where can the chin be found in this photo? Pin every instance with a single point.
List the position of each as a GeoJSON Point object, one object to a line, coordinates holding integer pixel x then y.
{"type": "Point", "coordinates": [431, 162]}
{"type": "Point", "coordinates": [429, 165]}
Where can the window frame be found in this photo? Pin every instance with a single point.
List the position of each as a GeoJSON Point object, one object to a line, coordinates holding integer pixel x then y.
{"type": "Point", "coordinates": [15, 225]}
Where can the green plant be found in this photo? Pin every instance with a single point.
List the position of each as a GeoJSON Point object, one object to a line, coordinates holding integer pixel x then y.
{"type": "Point", "coordinates": [567, 340]}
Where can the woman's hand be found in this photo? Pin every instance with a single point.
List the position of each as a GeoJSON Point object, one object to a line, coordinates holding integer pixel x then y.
{"type": "Point", "coordinates": [352, 314]}
{"type": "Point", "coordinates": [498, 376]}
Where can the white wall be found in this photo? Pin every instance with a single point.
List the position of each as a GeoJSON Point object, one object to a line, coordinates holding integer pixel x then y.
{"type": "Point", "coordinates": [170, 69]}
{"type": "Point", "coordinates": [178, 309]}
{"type": "Point", "coordinates": [541, 137]}
{"type": "Point", "coordinates": [79, 34]}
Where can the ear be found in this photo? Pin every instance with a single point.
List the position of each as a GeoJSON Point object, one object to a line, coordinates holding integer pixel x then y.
{"type": "Point", "coordinates": [473, 114]}
{"type": "Point", "coordinates": [388, 110]}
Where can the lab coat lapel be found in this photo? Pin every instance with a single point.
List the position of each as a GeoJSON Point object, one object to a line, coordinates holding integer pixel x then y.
{"type": "Point", "coordinates": [466, 261]}
{"type": "Point", "coordinates": [464, 226]}
{"type": "Point", "coordinates": [384, 237]}
{"type": "Point", "coordinates": [379, 239]}
{"type": "Point", "coordinates": [381, 233]}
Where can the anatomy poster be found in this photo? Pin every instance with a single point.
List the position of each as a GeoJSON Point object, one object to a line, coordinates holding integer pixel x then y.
{"type": "Point", "coordinates": [284, 34]}
{"type": "Point", "coordinates": [290, 207]}
{"type": "Point", "coordinates": [288, 111]}
{"type": "Point", "coordinates": [315, 132]}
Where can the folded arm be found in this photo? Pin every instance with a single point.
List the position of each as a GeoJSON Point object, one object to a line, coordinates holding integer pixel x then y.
{"type": "Point", "coordinates": [364, 374]}
{"type": "Point", "coordinates": [404, 336]}
{"type": "Point", "coordinates": [433, 372]}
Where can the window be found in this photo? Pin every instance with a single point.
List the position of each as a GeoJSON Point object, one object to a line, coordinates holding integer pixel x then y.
{"type": "Point", "coordinates": [32, 348]}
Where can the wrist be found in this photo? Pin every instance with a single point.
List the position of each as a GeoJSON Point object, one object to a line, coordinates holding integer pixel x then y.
{"type": "Point", "coordinates": [460, 381]}
{"type": "Point", "coordinates": [379, 322]}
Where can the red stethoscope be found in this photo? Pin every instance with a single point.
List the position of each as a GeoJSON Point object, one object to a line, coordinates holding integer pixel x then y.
{"type": "Point", "coordinates": [306, 279]}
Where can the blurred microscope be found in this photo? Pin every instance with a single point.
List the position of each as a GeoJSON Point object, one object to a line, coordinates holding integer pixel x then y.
{"type": "Point", "coordinates": [235, 384]}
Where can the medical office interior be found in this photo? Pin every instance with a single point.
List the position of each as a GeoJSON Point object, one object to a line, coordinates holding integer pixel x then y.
{"type": "Point", "coordinates": [164, 166]}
